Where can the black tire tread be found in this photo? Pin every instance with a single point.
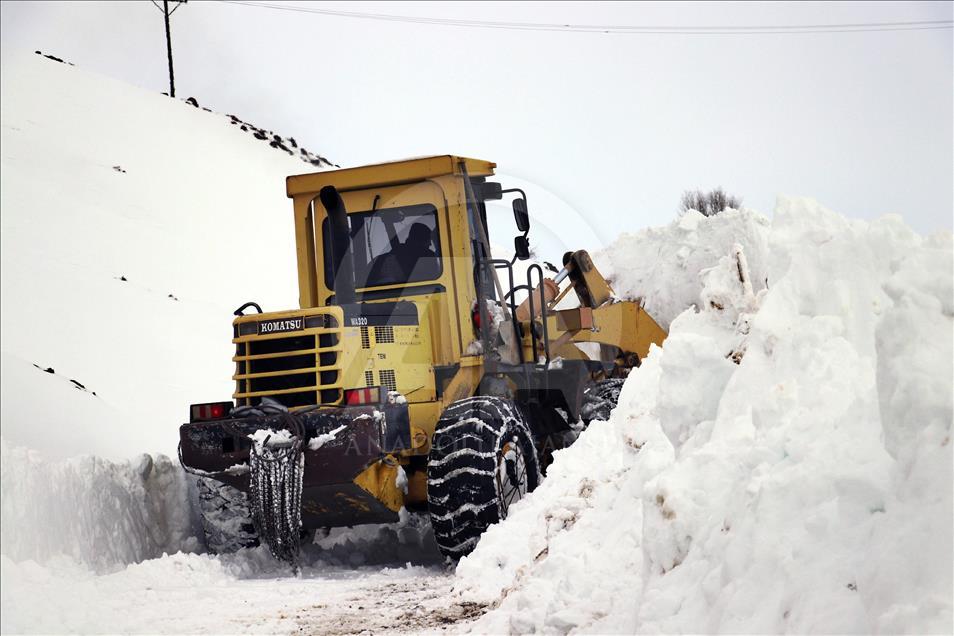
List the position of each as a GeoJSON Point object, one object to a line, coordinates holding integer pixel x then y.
{"type": "Point", "coordinates": [462, 487]}
{"type": "Point", "coordinates": [600, 398]}
{"type": "Point", "coordinates": [226, 517]}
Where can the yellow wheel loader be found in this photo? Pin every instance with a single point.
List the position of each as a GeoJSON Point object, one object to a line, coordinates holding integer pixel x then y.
{"type": "Point", "coordinates": [418, 374]}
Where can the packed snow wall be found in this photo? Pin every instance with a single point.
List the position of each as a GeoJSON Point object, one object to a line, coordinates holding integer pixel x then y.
{"type": "Point", "coordinates": [782, 464]}
{"type": "Point", "coordinates": [101, 514]}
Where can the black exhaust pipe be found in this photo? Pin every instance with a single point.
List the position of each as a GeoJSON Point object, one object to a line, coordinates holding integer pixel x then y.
{"type": "Point", "coordinates": [341, 257]}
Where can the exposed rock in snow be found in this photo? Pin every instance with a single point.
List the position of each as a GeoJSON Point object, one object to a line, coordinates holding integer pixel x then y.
{"type": "Point", "coordinates": [288, 145]}
{"type": "Point", "coordinates": [803, 485]}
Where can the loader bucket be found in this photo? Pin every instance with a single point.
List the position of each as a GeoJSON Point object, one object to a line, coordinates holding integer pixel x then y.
{"type": "Point", "coordinates": [349, 478]}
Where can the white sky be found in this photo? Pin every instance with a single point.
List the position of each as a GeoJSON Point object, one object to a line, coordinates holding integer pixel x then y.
{"type": "Point", "coordinates": [614, 127]}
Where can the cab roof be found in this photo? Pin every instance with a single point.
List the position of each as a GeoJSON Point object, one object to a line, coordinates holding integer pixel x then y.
{"type": "Point", "coordinates": [387, 174]}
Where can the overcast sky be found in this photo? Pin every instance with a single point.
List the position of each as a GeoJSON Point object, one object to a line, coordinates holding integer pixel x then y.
{"type": "Point", "coordinates": [612, 126]}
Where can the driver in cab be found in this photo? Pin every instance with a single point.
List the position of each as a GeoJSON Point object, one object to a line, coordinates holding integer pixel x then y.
{"type": "Point", "coordinates": [412, 260]}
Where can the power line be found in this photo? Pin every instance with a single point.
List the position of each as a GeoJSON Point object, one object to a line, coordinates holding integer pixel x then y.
{"type": "Point", "coordinates": [920, 25]}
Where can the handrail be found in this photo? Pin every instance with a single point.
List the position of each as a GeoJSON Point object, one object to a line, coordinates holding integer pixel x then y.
{"type": "Point", "coordinates": [543, 314]}
{"type": "Point", "coordinates": [508, 298]}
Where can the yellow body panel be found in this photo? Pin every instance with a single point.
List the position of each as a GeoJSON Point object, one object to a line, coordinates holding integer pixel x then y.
{"type": "Point", "coordinates": [380, 481]}
{"type": "Point", "coordinates": [444, 328]}
{"type": "Point", "coordinates": [623, 324]}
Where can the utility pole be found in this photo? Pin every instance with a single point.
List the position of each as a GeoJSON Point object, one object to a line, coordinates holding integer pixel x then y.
{"type": "Point", "coordinates": [166, 13]}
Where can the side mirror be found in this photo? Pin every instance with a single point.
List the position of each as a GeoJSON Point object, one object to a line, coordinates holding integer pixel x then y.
{"type": "Point", "coordinates": [490, 191]}
{"type": "Point", "coordinates": [521, 247]}
{"type": "Point", "coordinates": [520, 215]}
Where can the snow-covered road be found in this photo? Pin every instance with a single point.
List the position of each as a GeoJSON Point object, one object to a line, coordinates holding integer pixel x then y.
{"type": "Point", "coordinates": [243, 593]}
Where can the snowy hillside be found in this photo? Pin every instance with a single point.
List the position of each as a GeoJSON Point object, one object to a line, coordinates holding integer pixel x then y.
{"type": "Point", "coordinates": [782, 464]}
{"type": "Point", "coordinates": [132, 225]}
{"type": "Point", "coordinates": [104, 182]}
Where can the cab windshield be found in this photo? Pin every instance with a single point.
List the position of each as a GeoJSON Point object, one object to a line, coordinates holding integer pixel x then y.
{"type": "Point", "coordinates": [391, 246]}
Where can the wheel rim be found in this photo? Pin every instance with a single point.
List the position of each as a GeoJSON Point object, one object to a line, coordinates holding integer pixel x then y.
{"type": "Point", "coordinates": [511, 476]}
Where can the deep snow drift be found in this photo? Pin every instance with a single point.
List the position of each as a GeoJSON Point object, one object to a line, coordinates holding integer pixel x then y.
{"type": "Point", "coordinates": [783, 464]}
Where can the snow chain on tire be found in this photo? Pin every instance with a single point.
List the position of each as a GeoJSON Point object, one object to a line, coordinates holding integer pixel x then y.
{"type": "Point", "coordinates": [600, 399]}
{"type": "Point", "coordinates": [482, 460]}
{"type": "Point", "coordinates": [226, 520]}
{"type": "Point", "coordinates": [275, 494]}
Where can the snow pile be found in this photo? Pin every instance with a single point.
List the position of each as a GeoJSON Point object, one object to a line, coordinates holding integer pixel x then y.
{"type": "Point", "coordinates": [661, 265]}
{"type": "Point", "coordinates": [100, 514]}
{"type": "Point", "coordinates": [783, 464]}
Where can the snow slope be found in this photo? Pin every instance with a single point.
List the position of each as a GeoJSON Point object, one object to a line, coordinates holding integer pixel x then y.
{"type": "Point", "coordinates": [806, 488]}
{"type": "Point", "coordinates": [103, 181]}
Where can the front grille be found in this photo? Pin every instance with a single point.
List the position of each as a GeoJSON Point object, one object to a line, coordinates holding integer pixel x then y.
{"type": "Point", "coordinates": [282, 382]}
{"type": "Point", "coordinates": [388, 379]}
{"type": "Point", "coordinates": [384, 335]}
{"type": "Point", "coordinates": [280, 345]}
{"type": "Point", "coordinates": [304, 361]}
{"type": "Point", "coordinates": [296, 370]}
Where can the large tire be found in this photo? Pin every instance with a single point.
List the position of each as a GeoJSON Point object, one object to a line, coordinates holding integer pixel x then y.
{"type": "Point", "coordinates": [226, 518]}
{"type": "Point", "coordinates": [482, 460]}
{"type": "Point", "coordinates": [599, 399]}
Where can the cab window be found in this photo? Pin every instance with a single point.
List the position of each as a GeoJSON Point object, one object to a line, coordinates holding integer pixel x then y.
{"type": "Point", "coordinates": [391, 246]}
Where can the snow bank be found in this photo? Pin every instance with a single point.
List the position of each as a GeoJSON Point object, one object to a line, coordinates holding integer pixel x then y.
{"type": "Point", "coordinates": [661, 265]}
{"type": "Point", "coordinates": [805, 488]}
{"type": "Point", "coordinates": [100, 514]}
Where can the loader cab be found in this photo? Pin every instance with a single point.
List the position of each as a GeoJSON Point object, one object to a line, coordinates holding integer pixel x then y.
{"type": "Point", "coordinates": [409, 235]}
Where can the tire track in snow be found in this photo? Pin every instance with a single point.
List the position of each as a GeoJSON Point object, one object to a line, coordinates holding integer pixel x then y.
{"type": "Point", "coordinates": [415, 605]}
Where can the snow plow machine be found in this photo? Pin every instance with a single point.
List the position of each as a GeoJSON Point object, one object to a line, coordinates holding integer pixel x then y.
{"type": "Point", "coordinates": [419, 374]}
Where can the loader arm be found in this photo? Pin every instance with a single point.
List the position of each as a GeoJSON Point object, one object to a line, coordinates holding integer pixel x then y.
{"type": "Point", "coordinates": [622, 324]}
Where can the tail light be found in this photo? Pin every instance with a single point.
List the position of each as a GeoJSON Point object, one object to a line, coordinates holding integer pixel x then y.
{"type": "Point", "coordinates": [209, 411]}
{"type": "Point", "coordinates": [369, 395]}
